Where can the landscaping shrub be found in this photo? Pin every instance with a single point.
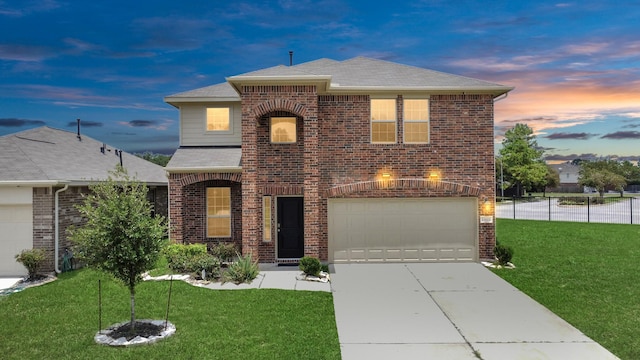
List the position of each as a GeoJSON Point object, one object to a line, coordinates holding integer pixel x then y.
{"type": "Point", "coordinates": [242, 270]}
{"type": "Point", "coordinates": [580, 200]}
{"type": "Point", "coordinates": [310, 266]}
{"type": "Point", "coordinates": [209, 263]}
{"type": "Point", "coordinates": [32, 259]}
{"type": "Point", "coordinates": [224, 251]}
{"type": "Point", "coordinates": [180, 257]}
{"type": "Point", "coordinates": [503, 253]}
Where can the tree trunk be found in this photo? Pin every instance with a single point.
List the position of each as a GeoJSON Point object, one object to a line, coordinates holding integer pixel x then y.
{"type": "Point", "coordinates": [133, 308]}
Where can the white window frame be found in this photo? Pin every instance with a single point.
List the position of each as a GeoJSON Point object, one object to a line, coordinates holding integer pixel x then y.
{"type": "Point", "coordinates": [206, 120]}
{"type": "Point", "coordinates": [227, 216]}
{"type": "Point", "coordinates": [414, 121]}
{"type": "Point", "coordinates": [384, 121]}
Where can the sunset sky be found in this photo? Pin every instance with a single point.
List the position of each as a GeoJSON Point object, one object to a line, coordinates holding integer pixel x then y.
{"type": "Point", "coordinates": [575, 64]}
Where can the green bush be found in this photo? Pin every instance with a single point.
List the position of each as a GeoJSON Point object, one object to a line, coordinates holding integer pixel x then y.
{"type": "Point", "coordinates": [580, 200]}
{"type": "Point", "coordinates": [224, 251]}
{"type": "Point", "coordinates": [242, 270]}
{"type": "Point", "coordinates": [180, 257]}
{"type": "Point", "coordinates": [310, 266]}
{"type": "Point", "coordinates": [209, 263]}
{"type": "Point", "coordinates": [503, 253]}
{"type": "Point", "coordinates": [32, 259]}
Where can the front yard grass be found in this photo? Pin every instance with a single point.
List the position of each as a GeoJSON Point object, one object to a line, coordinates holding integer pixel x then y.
{"type": "Point", "coordinates": [59, 320]}
{"type": "Point", "coordinates": [588, 274]}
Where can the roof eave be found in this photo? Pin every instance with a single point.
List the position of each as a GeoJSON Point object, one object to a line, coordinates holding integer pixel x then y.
{"type": "Point", "coordinates": [33, 183]}
{"type": "Point", "coordinates": [176, 100]}
{"type": "Point", "coordinates": [322, 81]}
{"type": "Point", "coordinates": [213, 169]}
{"type": "Point", "coordinates": [494, 90]}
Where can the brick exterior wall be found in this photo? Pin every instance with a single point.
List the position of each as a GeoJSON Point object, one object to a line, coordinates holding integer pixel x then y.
{"type": "Point", "coordinates": [333, 151]}
{"type": "Point", "coordinates": [44, 219]}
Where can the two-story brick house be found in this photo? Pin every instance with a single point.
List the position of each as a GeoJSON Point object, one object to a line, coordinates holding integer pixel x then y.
{"type": "Point", "coordinates": [355, 160]}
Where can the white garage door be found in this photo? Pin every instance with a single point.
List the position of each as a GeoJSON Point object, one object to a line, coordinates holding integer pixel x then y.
{"type": "Point", "coordinates": [394, 230]}
{"type": "Point", "coordinates": [16, 228]}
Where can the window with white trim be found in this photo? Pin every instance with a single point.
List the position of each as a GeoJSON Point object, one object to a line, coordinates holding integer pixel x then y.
{"type": "Point", "coordinates": [416, 121]}
{"type": "Point", "coordinates": [219, 119]}
{"type": "Point", "coordinates": [219, 212]}
{"type": "Point", "coordinates": [383, 121]}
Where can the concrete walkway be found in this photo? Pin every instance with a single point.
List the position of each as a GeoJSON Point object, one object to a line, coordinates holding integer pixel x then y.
{"type": "Point", "coordinates": [446, 311]}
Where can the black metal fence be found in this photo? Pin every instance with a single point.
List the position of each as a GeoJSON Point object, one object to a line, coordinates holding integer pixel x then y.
{"type": "Point", "coordinates": [613, 210]}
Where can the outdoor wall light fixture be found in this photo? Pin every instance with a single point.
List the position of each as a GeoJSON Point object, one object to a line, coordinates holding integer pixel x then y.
{"type": "Point", "coordinates": [433, 176]}
{"type": "Point", "coordinates": [386, 176]}
{"type": "Point", "coordinates": [486, 206]}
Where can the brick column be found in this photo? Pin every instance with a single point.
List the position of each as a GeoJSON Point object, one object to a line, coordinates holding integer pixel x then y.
{"type": "Point", "coordinates": [311, 182]}
{"type": "Point", "coordinates": [175, 208]}
{"type": "Point", "coordinates": [251, 211]}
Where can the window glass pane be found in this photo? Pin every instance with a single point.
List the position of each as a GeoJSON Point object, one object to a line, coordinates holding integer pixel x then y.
{"type": "Point", "coordinates": [219, 212]}
{"type": "Point", "coordinates": [283, 129]}
{"type": "Point", "coordinates": [383, 109]}
{"type": "Point", "coordinates": [384, 132]}
{"type": "Point", "coordinates": [416, 120]}
{"type": "Point", "coordinates": [416, 109]}
{"type": "Point", "coordinates": [218, 119]}
{"type": "Point", "coordinates": [219, 227]}
{"type": "Point", "coordinates": [415, 132]}
{"type": "Point", "coordinates": [266, 218]}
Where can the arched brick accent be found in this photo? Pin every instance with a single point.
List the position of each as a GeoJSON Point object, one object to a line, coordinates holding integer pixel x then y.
{"type": "Point", "coordinates": [195, 178]}
{"type": "Point", "coordinates": [403, 184]}
{"type": "Point", "coordinates": [279, 105]}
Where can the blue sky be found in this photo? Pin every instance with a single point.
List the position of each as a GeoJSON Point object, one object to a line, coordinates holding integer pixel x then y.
{"type": "Point", "coordinates": [575, 64]}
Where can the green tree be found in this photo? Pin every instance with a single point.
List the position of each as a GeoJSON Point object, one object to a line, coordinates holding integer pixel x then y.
{"type": "Point", "coordinates": [159, 159]}
{"type": "Point", "coordinates": [522, 159]}
{"type": "Point", "coordinates": [553, 178]}
{"type": "Point", "coordinates": [602, 174]}
{"type": "Point", "coordinates": [120, 236]}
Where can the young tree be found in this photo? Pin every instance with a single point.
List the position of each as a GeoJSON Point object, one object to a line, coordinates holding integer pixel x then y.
{"type": "Point", "coordinates": [522, 160]}
{"type": "Point", "coordinates": [120, 236]}
{"type": "Point", "coordinates": [553, 179]}
{"type": "Point", "coordinates": [602, 174]}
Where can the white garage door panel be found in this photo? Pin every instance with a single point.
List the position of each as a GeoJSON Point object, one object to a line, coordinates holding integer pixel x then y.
{"type": "Point", "coordinates": [376, 230]}
{"type": "Point", "coordinates": [16, 234]}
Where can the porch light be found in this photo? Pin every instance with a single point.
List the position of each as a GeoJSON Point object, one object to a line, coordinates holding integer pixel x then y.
{"type": "Point", "coordinates": [434, 176]}
{"type": "Point", "coordinates": [386, 176]}
{"type": "Point", "coordinates": [486, 206]}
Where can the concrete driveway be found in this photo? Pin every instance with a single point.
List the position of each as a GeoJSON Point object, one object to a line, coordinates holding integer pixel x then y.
{"type": "Point", "coordinates": [446, 311]}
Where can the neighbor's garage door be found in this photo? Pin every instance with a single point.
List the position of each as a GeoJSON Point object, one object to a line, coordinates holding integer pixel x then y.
{"type": "Point", "coordinates": [16, 228]}
{"type": "Point", "coordinates": [394, 230]}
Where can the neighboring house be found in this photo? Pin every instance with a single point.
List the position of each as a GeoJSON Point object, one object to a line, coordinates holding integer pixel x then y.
{"type": "Point", "coordinates": [43, 173]}
{"type": "Point", "coordinates": [569, 175]}
{"type": "Point", "coordinates": [355, 160]}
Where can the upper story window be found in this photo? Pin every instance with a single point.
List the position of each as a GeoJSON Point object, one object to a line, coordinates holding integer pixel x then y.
{"type": "Point", "coordinates": [283, 130]}
{"type": "Point", "coordinates": [383, 121]}
{"type": "Point", "coordinates": [218, 119]}
{"type": "Point", "coordinates": [416, 121]}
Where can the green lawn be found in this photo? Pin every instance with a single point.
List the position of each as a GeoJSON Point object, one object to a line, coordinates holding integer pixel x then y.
{"type": "Point", "coordinates": [586, 273]}
{"type": "Point", "coordinates": [59, 320]}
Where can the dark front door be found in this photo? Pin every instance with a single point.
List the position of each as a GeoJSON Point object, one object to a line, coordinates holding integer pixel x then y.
{"type": "Point", "coordinates": [290, 227]}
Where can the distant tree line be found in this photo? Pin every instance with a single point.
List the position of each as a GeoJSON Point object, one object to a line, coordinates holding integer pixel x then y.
{"type": "Point", "coordinates": [159, 159]}
{"type": "Point", "coordinates": [521, 167]}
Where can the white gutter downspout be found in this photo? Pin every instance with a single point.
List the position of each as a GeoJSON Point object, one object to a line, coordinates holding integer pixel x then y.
{"type": "Point", "coordinates": [57, 229]}
{"type": "Point", "coordinates": [495, 100]}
